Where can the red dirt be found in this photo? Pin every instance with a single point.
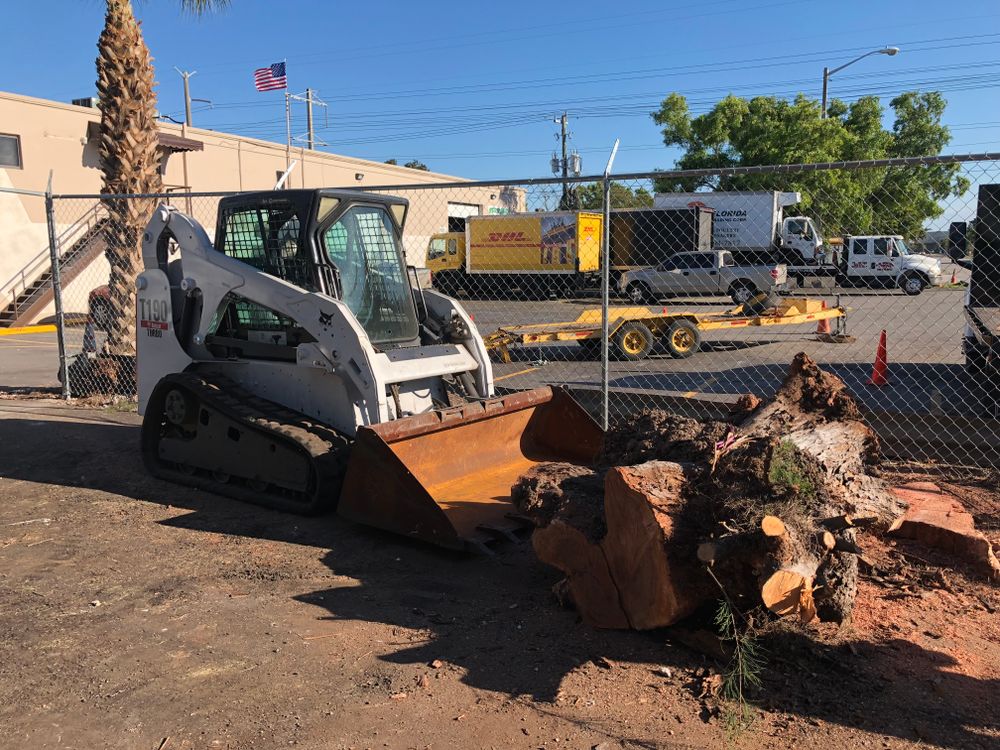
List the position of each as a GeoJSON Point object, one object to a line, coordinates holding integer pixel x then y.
{"type": "Point", "coordinates": [133, 612]}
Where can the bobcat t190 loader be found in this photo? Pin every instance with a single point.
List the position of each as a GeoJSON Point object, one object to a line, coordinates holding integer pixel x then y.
{"type": "Point", "coordinates": [293, 364]}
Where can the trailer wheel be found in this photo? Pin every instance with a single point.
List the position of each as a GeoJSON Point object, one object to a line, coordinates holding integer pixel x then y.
{"type": "Point", "coordinates": [683, 339]}
{"type": "Point", "coordinates": [633, 341]}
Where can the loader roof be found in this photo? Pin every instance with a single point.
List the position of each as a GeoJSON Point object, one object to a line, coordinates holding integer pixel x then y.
{"type": "Point", "coordinates": [306, 196]}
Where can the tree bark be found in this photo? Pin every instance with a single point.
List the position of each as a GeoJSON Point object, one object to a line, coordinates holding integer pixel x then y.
{"type": "Point", "coordinates": [130, 162]}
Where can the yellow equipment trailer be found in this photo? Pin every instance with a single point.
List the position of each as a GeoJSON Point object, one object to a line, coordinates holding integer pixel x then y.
{"type": "Point", "coordinates": [634, 331]}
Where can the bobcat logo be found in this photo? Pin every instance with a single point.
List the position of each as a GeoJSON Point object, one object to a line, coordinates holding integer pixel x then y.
{"type": "Point", "coordinates": [325, 319]}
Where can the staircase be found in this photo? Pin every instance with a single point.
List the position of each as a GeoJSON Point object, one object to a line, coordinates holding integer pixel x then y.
{"type": "Point", "coordinates": [30, 289]}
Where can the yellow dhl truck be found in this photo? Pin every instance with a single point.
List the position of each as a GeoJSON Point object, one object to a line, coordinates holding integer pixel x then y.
{"type": "Point", "coordinates": [535, 255]}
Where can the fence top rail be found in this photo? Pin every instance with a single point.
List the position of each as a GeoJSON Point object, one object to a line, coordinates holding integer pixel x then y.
{"type": "Point", "coordinates": [109, 196]}
{"type": "Point", "coordinates": [900, 161]}
{"type": "Point", "coordinates": [19, 191]}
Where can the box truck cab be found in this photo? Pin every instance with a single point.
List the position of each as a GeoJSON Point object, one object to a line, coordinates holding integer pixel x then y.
{"type": "Point", "coordinates": [446, 252]}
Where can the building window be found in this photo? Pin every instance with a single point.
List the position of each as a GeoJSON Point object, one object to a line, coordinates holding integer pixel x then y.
{"type": "Point", "coordinates": [10, 151]}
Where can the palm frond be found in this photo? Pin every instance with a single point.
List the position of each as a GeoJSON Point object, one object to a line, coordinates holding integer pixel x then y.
{"type": "Point", "coordinates": [202, 7]}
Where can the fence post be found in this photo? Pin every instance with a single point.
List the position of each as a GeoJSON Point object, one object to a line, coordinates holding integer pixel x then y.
{"type": "Point", "coordinates": [605, 297]}
{"type": "Point", "coordinates": [606, 285]}
{"type": "Point", "coordinates": [57, 289]}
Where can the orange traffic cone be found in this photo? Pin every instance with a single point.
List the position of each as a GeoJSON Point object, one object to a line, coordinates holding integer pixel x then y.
{"type": "Point", "coordinates": [880, 372]}
{"type": "Point", "coordinates": [823, 327]}
{"type": "Point", "coordinates": [954, 278]}
{"type": "Point", "coordinates": [89, 339]}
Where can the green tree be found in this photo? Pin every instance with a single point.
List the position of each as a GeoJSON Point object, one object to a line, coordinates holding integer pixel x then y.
{"type": "Point", "coordinates": [414, 164]}
{"type": "Point", "coordinates": [622, 196]}
{"type": "Point", "coordinates": [769, 130]}
{"type": "Point", "coordinates": [130, 162]}
{"type": "Point", "coordinates": [570, 199]}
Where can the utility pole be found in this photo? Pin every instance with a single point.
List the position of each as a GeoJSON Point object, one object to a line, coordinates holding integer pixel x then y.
{"type": "Point", "coordinates": [567, 164]}
{"type": "Point", "coordinates": [187, 93]}
{"type": "Point", "coordinates": [826, 82]}
{"type": "Point", "coordinates": [310, 138]}
{"type": "Point", "coordinates": [565, 161]}
{"type": "Point", "coordinates": [309, 119]}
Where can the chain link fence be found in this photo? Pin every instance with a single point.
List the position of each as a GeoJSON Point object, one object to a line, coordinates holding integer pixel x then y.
{"type": "Point", "coordinates": [676, 290]}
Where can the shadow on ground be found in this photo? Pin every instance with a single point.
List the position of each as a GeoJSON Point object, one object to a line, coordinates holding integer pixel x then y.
{"type": "Point", "coordinates": [573, 352]}
{"type": "Point", "coordinates": [495, 619]}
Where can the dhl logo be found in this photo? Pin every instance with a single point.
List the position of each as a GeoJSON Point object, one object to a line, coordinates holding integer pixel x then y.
{"type": "Point", "coordinates": [506, 237]}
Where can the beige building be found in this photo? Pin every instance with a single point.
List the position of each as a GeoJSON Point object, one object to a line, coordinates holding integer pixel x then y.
{"type": "Point", "coordinates": [38, 136]}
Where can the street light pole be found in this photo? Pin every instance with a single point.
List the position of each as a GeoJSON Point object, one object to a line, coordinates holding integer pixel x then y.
{"type": "Point", "coordinates": [827, 72]}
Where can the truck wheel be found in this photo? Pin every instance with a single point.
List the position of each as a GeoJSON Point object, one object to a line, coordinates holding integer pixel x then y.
{"type": "Point", "coordinates": [639, 293]}
{"type": "Point", "coordinates": [633, 341]}
{"type": "Point", "coordinates": [741, 292]}
{"type": "Point", "coordinates": [683, 339]}
{"type": "Point", "coordinates": [913, 284]}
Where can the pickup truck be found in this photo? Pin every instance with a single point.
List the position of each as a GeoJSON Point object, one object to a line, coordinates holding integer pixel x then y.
{"type": "Point", "coordinates": [702, 273]}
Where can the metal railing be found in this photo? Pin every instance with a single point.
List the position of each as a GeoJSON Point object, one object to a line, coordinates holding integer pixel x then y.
{"type": "Point", "coordinates": [41, 263]}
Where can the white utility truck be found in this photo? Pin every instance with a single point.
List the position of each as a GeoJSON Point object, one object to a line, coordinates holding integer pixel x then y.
{"type": "Point", "coordinates": [752, 226]}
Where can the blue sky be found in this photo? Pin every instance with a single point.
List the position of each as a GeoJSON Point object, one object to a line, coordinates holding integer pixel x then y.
{"type": "Point", "coordinates": [472, 89]}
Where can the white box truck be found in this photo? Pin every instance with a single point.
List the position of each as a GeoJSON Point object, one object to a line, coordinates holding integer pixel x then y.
{"type": "Point", "coordinates": [755, 222]}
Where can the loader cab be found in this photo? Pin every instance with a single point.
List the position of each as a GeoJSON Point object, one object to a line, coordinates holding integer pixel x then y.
{"type": "Point", "coordinates": [345, 244]}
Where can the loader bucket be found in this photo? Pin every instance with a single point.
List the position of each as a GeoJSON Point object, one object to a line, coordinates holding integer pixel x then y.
{"type": "Point", "coordinates": [445, 476]}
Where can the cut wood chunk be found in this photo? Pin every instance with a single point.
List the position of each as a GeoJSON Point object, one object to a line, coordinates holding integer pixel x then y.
{"type": "Point", "coordinates": [772, 526]}
{"type": "Point", "coordinates": [826, 540]}
{"type": "Point", "coordinates": [783, 592]}
{"type": "Point", "coordinates": [849, 521]}
{"type": "Point", "coordinates": [846, 545]}
{"type": "Point", "coordinates": [938, 519]}
{"type": "Point", "coordinates": [650, 551]}
{"type": "Point", "coordinates": [807, 606]}
{"type": "Point", "coordinates": [589, 580]}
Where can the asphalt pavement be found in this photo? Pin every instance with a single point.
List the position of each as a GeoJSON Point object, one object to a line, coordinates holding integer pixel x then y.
{"type": "Point", "coordinates": [924, 335]}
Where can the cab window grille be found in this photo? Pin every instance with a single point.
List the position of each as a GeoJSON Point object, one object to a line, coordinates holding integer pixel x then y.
{"type": "Point", "coordinates": [270, 239]}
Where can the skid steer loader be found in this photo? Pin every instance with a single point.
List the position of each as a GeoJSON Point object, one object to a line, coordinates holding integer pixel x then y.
{"type": "Point", "coordinates": [296, 363]}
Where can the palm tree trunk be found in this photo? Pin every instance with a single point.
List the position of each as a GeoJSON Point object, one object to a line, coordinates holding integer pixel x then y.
{"type": "Point", "coordinates": [129, 160]}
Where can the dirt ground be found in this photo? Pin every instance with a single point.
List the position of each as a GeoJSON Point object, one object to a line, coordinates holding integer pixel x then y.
{"type": "Point", "coordinates": [136, 614]}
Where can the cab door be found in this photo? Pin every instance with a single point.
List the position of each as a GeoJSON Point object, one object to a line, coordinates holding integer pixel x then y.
{"type": "Point", "coordinates": [860, 260]}
{"type": "Point", "coordinates": [886, 262]}
{"type": "Point", "coordinates": [669, 275]}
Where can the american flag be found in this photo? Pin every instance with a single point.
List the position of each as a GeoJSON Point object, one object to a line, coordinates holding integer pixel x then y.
{"type": "Point", "coordinates": [270, 78]}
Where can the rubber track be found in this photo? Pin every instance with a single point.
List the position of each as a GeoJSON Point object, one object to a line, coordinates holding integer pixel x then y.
{"type": "Point", "coordinates": [327, 449]}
